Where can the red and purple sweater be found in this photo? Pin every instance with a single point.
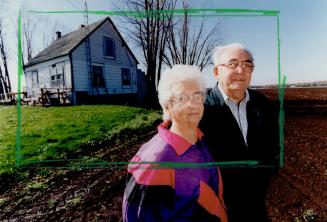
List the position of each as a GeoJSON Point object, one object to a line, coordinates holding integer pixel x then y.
{"type": "Point", "coordinates": [170, 193]}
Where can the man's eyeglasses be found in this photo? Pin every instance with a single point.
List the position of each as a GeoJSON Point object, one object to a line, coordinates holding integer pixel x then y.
{"type": "Point", "coordinates": [197, 97]}
{"type": "Point", "coordinates": [233, 64]}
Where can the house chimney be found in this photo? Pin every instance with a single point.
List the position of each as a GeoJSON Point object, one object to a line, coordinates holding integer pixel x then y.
{"type": "Point", "coordinates": [58, 34]}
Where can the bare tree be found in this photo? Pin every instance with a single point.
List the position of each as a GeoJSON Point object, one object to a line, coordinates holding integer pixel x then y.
{"type": "Point", "coordinates": [38, 32]}
{"type": "Point", "coordinates": [27, 36]}
{"type": "Point", "coordinates": [5, 86]}
{"type": "Point", "coordinates": [4, 61]}
{"type": "Point", "coordinates": [149, 31]}
{"type": "Point", "coordinates": [191, 44]}
{"type": "Point", "coordinates": [29, 23]}
{"type": "Point", "coordinates": [168, 40]}
{"type": "Point", "coordinates": [47, 31]}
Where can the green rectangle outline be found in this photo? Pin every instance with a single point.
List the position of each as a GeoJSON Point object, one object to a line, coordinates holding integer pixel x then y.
{"type": "Point", "coordinates": [192, 12]}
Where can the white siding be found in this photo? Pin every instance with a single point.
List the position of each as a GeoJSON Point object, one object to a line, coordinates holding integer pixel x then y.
{"type": "Point", "coordinates": [43, 70]}
{"type": "Point", "coordinates": [111, 67]}
{"type": "Point", "coordinates": [80, 75]}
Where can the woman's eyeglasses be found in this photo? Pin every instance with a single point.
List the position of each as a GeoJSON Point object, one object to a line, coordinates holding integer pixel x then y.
{"type": "Point", "coordinates": [197, 97]}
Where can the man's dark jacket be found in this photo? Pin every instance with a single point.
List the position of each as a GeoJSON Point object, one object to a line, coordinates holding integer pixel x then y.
{"type": "Point", "coordinates": [245, 188]}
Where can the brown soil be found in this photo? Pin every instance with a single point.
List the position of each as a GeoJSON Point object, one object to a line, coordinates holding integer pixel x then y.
{"type": "Point", "coordinates": [301, 186]}
{"type": "Point", "coordinates": [297, 193]}
{"type": "Point", "coordinates": [298, 94]}
{"type": "Point", "coordinates": [71, 195]}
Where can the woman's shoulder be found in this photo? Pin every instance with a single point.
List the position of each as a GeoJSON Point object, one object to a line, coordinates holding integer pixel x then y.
{"type": "Point", "coordinates": [156, 149]}
{"type": "Point", "coordinates": [148, 165]}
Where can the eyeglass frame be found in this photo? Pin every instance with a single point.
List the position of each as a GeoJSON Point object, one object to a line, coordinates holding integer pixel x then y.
{"type": "Point", "coordinates": [250, 68]}
{"type": "Point", "coordinates": [190, 98]}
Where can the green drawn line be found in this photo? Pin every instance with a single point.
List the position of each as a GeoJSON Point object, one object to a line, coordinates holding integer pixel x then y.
{"type": "Point", "coordinates": [281, 91]}
{"type": "Point", "coordinates": [153, 165]}
{"type": "Point", "coordinates": [278, 48]}
{"type": "Point", "coordinates": [176, 12]}
{"type": "Point", "coordinates": [99, 162]}
{"type": "Point", "coordinates": [154, 13]}
{"type": "Point", "coordinates": [19, 155]}
{"type": "Point", "coordinates": [87, 166]}
{"type": "Point", "coordinates": [281, 123]}
{"type": "Point", "coordinates": [221, 10]}
{"type": "Point", "coordinates": [225, 15]}
{"type": "Point", "coordinates": [193, 10]}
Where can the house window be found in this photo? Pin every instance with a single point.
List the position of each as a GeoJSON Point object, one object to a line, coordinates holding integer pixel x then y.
{"type": "Point", "coordinates": [97, 76]}
{"type": "Point", "coordinates": [57, 76]}
{"type": "Point", "coordinates": [35, 78]}
{"type": "Point", "coordinates": [108, 47]}
{"type": "Point", "coordinates": [126, 77]}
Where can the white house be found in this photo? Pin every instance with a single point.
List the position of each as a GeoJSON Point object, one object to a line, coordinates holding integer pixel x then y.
{"type": "Point", "coordinates": [89, 63]}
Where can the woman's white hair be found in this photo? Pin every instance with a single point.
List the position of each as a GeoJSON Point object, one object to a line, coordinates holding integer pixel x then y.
{"type": "Point", "coordinates": [219, 50]}
{"type": "Point", "coordinates": [173, 76]}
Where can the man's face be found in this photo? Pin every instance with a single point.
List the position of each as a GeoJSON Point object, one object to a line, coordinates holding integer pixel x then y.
{"type": "Point", "coordinates": [239, 78]}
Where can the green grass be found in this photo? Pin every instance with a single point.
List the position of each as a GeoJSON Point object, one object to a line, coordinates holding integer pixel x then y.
{"type": "Point", "coordinates": [52, 133]}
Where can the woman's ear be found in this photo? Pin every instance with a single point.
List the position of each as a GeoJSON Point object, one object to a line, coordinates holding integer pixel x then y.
{"type": "Point", "coordinates": [167, 109]}
{"type": "Point", "coordinates": [166, 114]}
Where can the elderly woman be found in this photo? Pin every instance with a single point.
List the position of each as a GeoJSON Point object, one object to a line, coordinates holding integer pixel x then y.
{"type": "Point", "coordinates": [158, 192]}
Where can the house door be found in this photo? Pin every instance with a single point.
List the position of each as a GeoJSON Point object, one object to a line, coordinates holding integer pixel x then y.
{"type": "Point", "coordinates": [97, 76]}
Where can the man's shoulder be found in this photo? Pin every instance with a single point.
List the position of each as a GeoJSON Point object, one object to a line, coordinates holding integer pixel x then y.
{"type": "Point", "coordinates": [260, 102]}
{"type": "Point", "coordinates": [213, 97]}
{"type": "Point", "coordinates": [256, 96]}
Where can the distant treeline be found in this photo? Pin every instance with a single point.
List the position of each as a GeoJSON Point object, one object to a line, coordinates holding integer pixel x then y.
{"type": "Point", "coordinates": [305, 84]}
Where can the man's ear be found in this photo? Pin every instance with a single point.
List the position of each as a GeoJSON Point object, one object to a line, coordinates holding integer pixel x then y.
{"type": "Point", "coordinates": [215, 72]}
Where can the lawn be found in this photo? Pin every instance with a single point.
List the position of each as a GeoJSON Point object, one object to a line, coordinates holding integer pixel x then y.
{"type": "Point", "coordinates": [55, 132]}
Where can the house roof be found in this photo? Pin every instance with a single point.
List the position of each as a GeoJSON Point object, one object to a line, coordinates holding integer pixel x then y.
{"type": "Point", "coordinates": [67, 43]}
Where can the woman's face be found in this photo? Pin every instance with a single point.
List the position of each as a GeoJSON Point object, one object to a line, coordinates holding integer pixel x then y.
{"type": "Point", "coordinates": [186, 105]}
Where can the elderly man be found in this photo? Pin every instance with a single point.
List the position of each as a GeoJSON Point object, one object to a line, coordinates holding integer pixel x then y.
{"type": "Point", "coordinates": [240, 125]}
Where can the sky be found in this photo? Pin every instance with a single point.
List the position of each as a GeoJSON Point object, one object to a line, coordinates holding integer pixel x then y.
{"type": "Point", "coordinates": [302, 27]}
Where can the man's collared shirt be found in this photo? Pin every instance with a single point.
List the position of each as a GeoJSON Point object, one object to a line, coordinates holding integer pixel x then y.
{"type": "Point", "coordinates": [239, 111]}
